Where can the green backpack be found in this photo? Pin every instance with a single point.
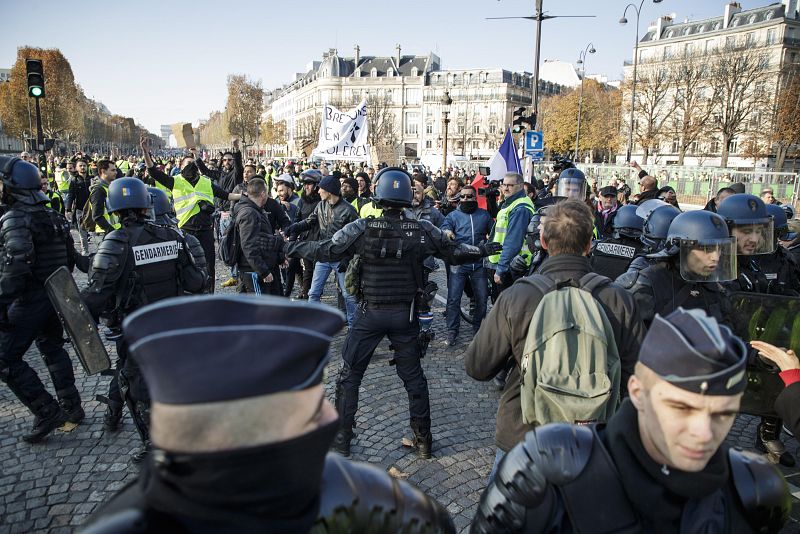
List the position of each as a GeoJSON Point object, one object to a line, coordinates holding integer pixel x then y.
{"type": "Point", "coordinates": [570, 365]}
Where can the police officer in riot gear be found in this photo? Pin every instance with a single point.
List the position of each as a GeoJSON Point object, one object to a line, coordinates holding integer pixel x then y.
{"type": "Point", "coordinates": [391, 249]}
{"type": "Point", "coordinates": [660, 463]}
{"type": "Point", "coordinates": [611, 257]}
{"type": "Point", "coordinates": [34, 242]}
{"type": "Point", "coordinates": [135, 265]}
{"type": "Point", "coordinates": [657, 216]}
{"type": "Point", "coordinates": [164, 215]}
{"type": "Point", "coordinates": [753, 226]}
{"type": "Point", "coordinates": [698, 254]}
{"type": "Point", "coordinates": [779, 267]}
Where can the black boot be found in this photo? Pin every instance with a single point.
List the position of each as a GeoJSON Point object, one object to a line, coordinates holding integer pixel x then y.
{"type": "Point", "coordinates": [72, 407]}
{"type": "Point", "coordinates": [422, 438]}
{"type": "Point", "coordinates": [141, 454]}
{"type": "Point", "coordinates": [49, 417]}
{"type": "Point", "coordinates": [341, 443]}
{"type": "Point", "coordinates": [768, 442]}
{"type": "Point", "coordinates": [112, 417]}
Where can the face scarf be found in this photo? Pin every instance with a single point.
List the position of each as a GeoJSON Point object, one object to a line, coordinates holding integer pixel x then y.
{"type": "Point", "coordinates": [469, 206]}
{"type": "Point", "coordinates": [271, 488]}
{"type": "Point", "coordinates": [190, 171]}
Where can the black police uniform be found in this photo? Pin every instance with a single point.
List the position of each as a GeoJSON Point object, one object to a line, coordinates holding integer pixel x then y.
{"type": "Point", "coordinates": [392, 249]}
{"type": "Point", "coordinates": [660, 289]}
{"type": "Point", "coordinates": [135, 265]}
{"type": "Point", "coordinates": [34, 242]}
{"type": "Point", "coordinates": [611, 257]}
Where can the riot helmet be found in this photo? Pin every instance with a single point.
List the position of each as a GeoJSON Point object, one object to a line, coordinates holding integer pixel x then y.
{"type": "Point", "coordinates": [750, 222]}
{"type": "Point", "coordinates": [706, 250]}
{"type": "Point", "coordinates": [571, 184]}
{"type": "Point", "coordinates": [781, 222]}
{"type": "Point", "coordinates": [656, 227]}
{"type": "Point", "coordinates": [127, 193]}
{"type": "Point", "coordinates": [627, 223]}
{"type": "Point", "coordinates": [393, 188]}
{"type": "Point", "coordinates": [21, 180]}
{"type": "Point", "coordinates": [163, 212]}
{"type": "Point", "coordinates": [788, 211]}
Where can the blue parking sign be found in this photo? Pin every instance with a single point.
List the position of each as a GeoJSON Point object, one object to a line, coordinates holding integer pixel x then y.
{"type": "Point", "coordinates": [534, 142]}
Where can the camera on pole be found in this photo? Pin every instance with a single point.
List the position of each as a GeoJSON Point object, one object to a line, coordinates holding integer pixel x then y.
{"type": "Point", "coordinates": [35, 73]}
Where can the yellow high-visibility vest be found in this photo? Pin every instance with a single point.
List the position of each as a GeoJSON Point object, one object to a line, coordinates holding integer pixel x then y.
{"type": "Point", "coordinates": [110, 217]}
{"type": "Point", "coordinates": [187, 198]}
{"type": "Point", "coordinates": [501, 227]}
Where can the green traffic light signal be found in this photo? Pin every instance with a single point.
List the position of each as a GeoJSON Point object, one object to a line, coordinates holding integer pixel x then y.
{"type": "Point", "coordinates": [36, 92]}
{"type": "Point", "coordinates": [34, 71]}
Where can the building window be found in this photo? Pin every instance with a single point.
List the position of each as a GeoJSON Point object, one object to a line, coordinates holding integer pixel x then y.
{"type": "Point", "coordinates": [730, 41]}
{"type": "Point", "coordinates": [749, 39]}
{"type": "Point", "coordinates": [428, 144]}
{"type": "Point", "coordinates": [675, 146]}
{"type": "Point", "coordinates": [390, 72]}
{"type": "Point", "coordinates": [476, 145]}
{"type": "Point", "coordinates": [689, 49]}
{"type": "Point", "coordinates": [429, 128]}
{"type": "Point", "coordinates": [733, 146]}
{"type": "Point", "coordinates": [413, 96]}
{"type": "Point", "coordinates": [460, 128]}
{"type": "Point", "coordinates": [772, 36]}
{"type": "Point", "coordinates": [710, 45]}
{"type": "Point", "coordinates": [667, 52]}
{"type": "Point", "coordinates": [492, 128]}
{"type": "Point", "coordinates": [412, 123]}
{"type": "Point", "coordinates": [415, 71]}
{"type": "Point", "coordinates": [476, 129]}
{"type": "Point", "coordinates": [373, 73]}
{"type": "Point", "coordinates": [714, 147]}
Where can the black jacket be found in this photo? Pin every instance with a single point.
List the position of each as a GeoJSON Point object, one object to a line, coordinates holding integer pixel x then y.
{"type": "Point", "coordinates": [227, 180]}
{"type": "Point", "coordinates": [647, 195]}
{"type": "Point", "coordinates": [503, 333]}
{"type": "Point", "coordinates": [260, 251]}
{"type": "Point", "coordinates": [78, 192]}
{"type": "Point", "coordinates": [330, 219]}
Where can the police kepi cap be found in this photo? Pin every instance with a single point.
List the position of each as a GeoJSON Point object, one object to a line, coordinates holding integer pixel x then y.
{"type": "Point", "coordinates": [216, 348]}
{"type": "Point", "coordinates": [690, 350]}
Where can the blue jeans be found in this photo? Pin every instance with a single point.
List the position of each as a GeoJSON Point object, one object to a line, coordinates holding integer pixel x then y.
{"type": "Point", "coordinates": [459, 274]}
{"type": "Point", "coordinates": [321, 272]}
{"type": "Point", "coordinates": [498, 457]}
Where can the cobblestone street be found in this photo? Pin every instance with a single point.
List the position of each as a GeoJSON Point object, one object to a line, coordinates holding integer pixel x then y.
{"type": "Point", "coordinates": [56, 485]}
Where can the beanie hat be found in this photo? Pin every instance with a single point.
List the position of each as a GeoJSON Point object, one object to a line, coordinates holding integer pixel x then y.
{"type": "Point", "coordinates": [331, 185]}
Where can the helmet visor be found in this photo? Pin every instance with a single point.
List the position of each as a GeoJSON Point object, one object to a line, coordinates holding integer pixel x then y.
{"type": "Point", "coordinates": [753, 238]}
{"type": "Point", "coordinates": [712, 260]}
{"type": "Point", "coordinates": [646, 208]}
{"type": "Point", "coordinates": [571, 188]}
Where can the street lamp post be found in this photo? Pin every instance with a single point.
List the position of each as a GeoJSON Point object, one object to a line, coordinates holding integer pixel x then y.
{"type": "Point", "coordinates": [446, 102]}
{"type": "Point", "coordinates": [623, 20]}
{"type": "Point", "coordinates": [582, 61]}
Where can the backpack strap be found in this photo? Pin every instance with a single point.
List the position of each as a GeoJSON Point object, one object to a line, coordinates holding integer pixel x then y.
{"type": "Point", "coordinates": [592, 281]}
{"type": "Point", "coordinates": [592, 511]}
{"type": "Point", "coordinates": [543, 283]}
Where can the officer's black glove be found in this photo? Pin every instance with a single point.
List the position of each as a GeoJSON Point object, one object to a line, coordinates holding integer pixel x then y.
{"type": "Point", "coordinates": [4, 323]}
{"type": "Point", "coordinates": [490, 249]}
{"type": "Point", "coordinates": [296, 229]}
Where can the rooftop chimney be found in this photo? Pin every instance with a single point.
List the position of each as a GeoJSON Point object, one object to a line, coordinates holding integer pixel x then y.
{"type": "Point", "coordinates": [398, 56]}
{"type": "Point", "coordinates": [662, 23]}
{"type": "Point", "coordinates": [730, 10]}
{"type": "Point", "coordinates": [790, 9]}
{"type": "Point", "coordinates": [358, 56]}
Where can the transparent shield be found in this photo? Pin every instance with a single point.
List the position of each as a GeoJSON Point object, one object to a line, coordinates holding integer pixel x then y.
{"type": "Point", "coordinates": [646, 208]}
{"type": "Point", "coordinates": [713, 260]}
{"type": "Point", "coordinates": [753, 238]}
{"type": "Point", "coordinates": [571, 188]}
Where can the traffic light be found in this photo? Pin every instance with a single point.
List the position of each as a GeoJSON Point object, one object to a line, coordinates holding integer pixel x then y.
{"type": "Point", "coordinates": [35, 72]}
{"type": "Point", "coordinates": [518, 120]}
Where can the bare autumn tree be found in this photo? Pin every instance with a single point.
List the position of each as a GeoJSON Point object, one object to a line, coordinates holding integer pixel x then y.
{"type": "Point", "coordinates": [786, 130]}
{"type": "Point", "coordinates": [694, 102]}
{"type": "Point", "coordinates": [244, 108]}
{"type": "Point", "coordinates": [737, 75]}
{"type": "Point", "coordinates": [273, 133]}
{"type": "Point", "coordinates": [215, 131]}
{"type": "Point", "coordinates": [381, 120]}
{"type": "Point", "coordinates": [558, 115]}
{"type": "Point", "coordinates": [60, 106]}
{"type": "Point", "coordinates": [653, 107]}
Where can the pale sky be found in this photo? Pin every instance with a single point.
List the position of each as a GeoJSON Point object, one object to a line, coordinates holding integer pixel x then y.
{"type": "Point", "coordinates": [165, 62]}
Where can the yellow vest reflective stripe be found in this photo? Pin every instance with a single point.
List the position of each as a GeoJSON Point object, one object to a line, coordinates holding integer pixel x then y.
{"type": "Point", "coordinates": [370, 210]}
{"type": "Point", "coordinates": [62, 179]}
{"type": "Point", "coordinates": [501, 227]}
{"type": "Point", "coordinates": [187, 198]}
{"type": "Point", "coordinates": [110, 217]}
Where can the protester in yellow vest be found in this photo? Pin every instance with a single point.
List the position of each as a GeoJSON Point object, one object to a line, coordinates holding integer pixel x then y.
{"type": "Point", "coordinates": [509, 230]}
{"type": "Point", "coordinates": [104, 222]}
{"type": "Point", "coordinates": [193, 197]}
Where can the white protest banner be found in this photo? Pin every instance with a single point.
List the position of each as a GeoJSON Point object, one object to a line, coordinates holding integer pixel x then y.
{"type": "Point", "coordinates": [343, 136]}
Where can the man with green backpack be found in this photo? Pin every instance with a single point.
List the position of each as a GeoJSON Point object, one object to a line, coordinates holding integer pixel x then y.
{"type": "Point", "coordinates": [574, 336]}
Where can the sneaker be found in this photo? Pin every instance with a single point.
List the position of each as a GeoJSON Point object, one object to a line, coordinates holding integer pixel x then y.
{"type": "Point", "coordinates": [452, 340]}
{"type": "Point", "coordinates": [141, 454]}
{"type": "Point", "coordinates": [230, 282]}
{"type": "Point", "coordinates": [341, 443]}
{"type": "Point", "coordinates": [775, 452]}
{"type": "Point", "coordinates": [49, 418]}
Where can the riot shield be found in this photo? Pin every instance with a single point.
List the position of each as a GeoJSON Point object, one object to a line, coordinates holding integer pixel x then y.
{"type": "Point", "coordinates": [77, 321]}
{"type": "Point", "coordinates": [776, 320]}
